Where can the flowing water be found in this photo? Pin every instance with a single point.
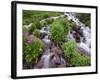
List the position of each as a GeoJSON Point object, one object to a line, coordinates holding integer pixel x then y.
{"type": "Point", "coordinates": [46, 54]}
{"type": "Point", "coordinates": [84, 44]}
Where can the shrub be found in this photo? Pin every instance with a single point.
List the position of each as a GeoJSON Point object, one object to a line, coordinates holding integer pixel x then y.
{"type": "Point", "coordinates": [33, 51]}
{"type": "Point", "coordinates": [25, 38]}
{"type": "Point", "coordinates": [59, 30]}
{"type": "Point", "coordinates": [65, 24]}
{"type": "Point", "coordinates": [35, 25]}
{"type": "Point", "coordinates": [57, 33]}
{"type": "Point", "coordinates": [74, 58]}
{"type": "Point", "coordinates": [80, 60]}
{"type": "Point", "coordinates": [26, 21]}
{"type": "Point", "coordinates": [37, 33]}
{"type": "Point", "coordinates": [69, 49]}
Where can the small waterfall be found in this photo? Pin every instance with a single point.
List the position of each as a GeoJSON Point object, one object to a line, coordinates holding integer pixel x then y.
{"type": "Point", "coordinates": [46, 60]}
{"type": "Point", "coordinates": [70, 36]}
{"type": "Point", "coordinates": [46, 54]}
{"type": "Point", "coordinates": [45, 29]}
{"type": "Point", "coordinates": [46, 40]}
{"type": "Point", "coordinates": [84, 45]}
{"type": "Point", "coordinates": [85, 41]}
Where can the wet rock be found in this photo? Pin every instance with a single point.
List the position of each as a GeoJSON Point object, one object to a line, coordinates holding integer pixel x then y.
{"type": "Point", "coordinates": [52, 62]}
{"type": "Point", "coordinates": [58, 60]}
{"type": "Point", "coordinates": [63, 63]}
{"type": "Point", "coordinates": [42, 35]}
{"type": "Point", "coordinates": [39, 64]}
{"type": "Point", "coordinates": [77, 37]}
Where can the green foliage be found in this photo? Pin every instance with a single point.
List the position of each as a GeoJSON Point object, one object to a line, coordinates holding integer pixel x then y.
{"type": "Point", "coordinates": [29, 16]}
{"type": "Point", "coordinates": [35, 25]}
{"type": "Point", "coordinates": [71, 54]}
{"type": "Point", "coordinates": [44, 23]}
{"type": "Point", "coordinates": [32, 51]}
{"type": "Point", "coordinates": [69, 49]}
{"type": "Point", "coordinates": [37, 33]}
{"type": "Point", "coordinates": [26, 21]}
{"type": "Point", "coordinates": [25, 38]}
{"type": "Point", "coordinates": [59, 30]}
{"type": "Point", "coordinates": [25, 29]}
{"type": "Point", "coordinates": [57, 33]}
{"type": "Point", "coordinates": [80, 60]}
{"type": "Point", "coordinates": [85, 18]}
{"type": "Point", "coordinates": [65, 24]}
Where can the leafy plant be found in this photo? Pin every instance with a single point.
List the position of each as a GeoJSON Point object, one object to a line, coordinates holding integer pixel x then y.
{"type": "Point", "coordinates": [65, 24]}
{"type": "Point", "coordinates": [25, 38]}
{"type": "Point", "coordinates": [69, 49]}
{"type": "Point", "coordinates": [74, 58]}
{"type": "Point", "coordinates": [57, 33]}
{"type": "Point", "coordinates": [59, 30]}
{"type": "Point", "coordinates": [37, 33]}
{"type": "Point", "coordinates": [33, 51]}
{"type": "Point", "coordinates": [80, 60]}
{"type": "Point", "coordinates": [35, 25]}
